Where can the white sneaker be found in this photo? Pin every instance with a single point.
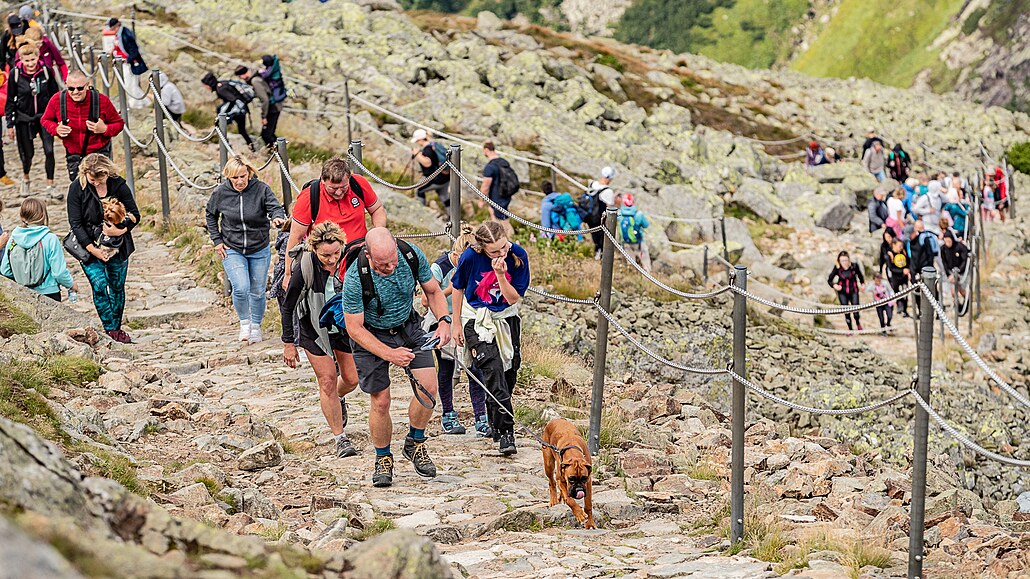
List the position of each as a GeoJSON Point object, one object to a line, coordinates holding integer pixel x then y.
{"type": "Point", "coordinates": [255, 335]}
{"type": "Point", "coordinates": [25, 189]}
{"type": "Point", "coordinates": [244, 331]}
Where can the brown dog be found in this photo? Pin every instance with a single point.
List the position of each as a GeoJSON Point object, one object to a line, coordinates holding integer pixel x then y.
{"type": "Point", "coordinates": [568, 469]}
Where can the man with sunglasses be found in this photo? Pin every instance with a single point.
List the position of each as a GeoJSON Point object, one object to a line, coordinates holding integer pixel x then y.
{"type": "Point", "coordinates": [79, 132]}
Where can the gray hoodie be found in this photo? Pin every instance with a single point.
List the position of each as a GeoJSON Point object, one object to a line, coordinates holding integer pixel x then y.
{"type": "Point", "coordinates": [241, 219]}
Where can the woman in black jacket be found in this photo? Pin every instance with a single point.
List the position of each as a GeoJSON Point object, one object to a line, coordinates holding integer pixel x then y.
{"type": "Point", "coordinates": [847, 279]}
{"type": "Point", "coordinates": [239, 214]}
{"type": "Point", "coordinates": [233, 105]}
{"type": "Point", "coordinates": [107, 267]}
{"type": "Point", "coordinates": [29, 88]}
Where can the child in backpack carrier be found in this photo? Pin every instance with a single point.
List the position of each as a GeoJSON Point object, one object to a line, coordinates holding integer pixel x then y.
{"type": "Point", "coordinates": [35, 257]}
{"type": "Point", "coordinates": [632, 224]}
{"type": "Point", "coordinates": [114, 215]}
{"type": "Point", "coordinates": [885, 312]}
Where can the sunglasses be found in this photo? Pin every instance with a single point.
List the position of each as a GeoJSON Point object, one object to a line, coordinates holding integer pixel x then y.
{"type": "Point", "coordinates": [75, 88]}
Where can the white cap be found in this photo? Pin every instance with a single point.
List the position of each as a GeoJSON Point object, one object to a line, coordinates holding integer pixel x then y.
{"type": "Point", "coordinates": [419, 135]}
{"type": "Point", "coordinates": [607, 173]}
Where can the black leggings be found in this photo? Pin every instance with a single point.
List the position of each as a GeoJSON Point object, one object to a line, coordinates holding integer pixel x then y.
{"type": "Point", "coordinates": [241, 126]}
{"type": "Point", "coordinates": [499, 383]}
{"type": "Point", "coordinates": [268, 129]}
{"type": "Point", "coordinates": [849, 299]}
{"type": "Point", "coordinates": [25, 135]}
{"type": "Point", "coordinates": [897, 281]}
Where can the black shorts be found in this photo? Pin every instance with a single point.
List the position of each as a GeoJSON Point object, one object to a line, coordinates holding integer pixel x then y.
{"type": "Point", "coordinates": [374, 372]}
{"type": "Point", "coordinates": [339, 342]}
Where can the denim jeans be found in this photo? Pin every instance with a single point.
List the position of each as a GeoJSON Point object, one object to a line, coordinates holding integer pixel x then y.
{"type": "Point", "coordinates": [248, 275]}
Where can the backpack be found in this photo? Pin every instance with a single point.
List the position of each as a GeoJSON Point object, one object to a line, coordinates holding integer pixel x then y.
{"type": "Point", "coordinates": [315, 185]}
{"type": "Point", "coordinates": [507, 179]}
{"type": "Point", "coordinates": [276, 85]}
{"type": "Point", "coordinates": [244, 89]}
{"type": "Point", "coordinates": [94, 106]}
{"type": "Point", "coordinates": [629, 228]}
{"type": "Point", "coordinates": [441, 156]}
{"type": "Point", "coordinates": [368, 288]}
{"type": "Point", "coordinates": [28, 264]}
{"type": "Point", "coordinates": [935, 247]}
{"type": "Point", "coordinates": [591, 208]}
{"type": "Point", "coordinates": [564, 214]}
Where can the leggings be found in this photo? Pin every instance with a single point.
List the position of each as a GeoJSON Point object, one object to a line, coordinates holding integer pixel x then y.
{"type": "Point", "coordinates": [108, 283]}
{"type": "Point", "coordinates": [241, 126]}
{"type": "Point", "coordinates": [897, 281]}
{"type": "Point", "coordinates": [849, 299]}
{"type": "Point", "coordinates": [445, 382]}
{"type": "Point", "coordinates": [25, 135]}
{"type": "Point", "coordinates": [499, 382]}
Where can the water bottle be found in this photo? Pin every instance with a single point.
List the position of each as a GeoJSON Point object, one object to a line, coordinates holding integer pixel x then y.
{"type": "Point", "coordinates": [73, 296]}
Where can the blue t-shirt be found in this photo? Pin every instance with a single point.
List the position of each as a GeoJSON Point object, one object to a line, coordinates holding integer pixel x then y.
{"type": "Point", "coordinates": [473, 266]}
{"type": "Point", "coordinates": [395, 291]}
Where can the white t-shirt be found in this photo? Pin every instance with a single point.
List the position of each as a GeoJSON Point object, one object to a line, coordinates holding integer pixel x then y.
{"type": "Point", "coordinates": [894, 206]}
{"type": "Point", "coordinates": [605, 192]}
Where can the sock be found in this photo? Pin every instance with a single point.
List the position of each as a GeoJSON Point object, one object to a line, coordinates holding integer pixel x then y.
{"type": "Point", "coordinates": [383, 451]}
{"type": "Point", "coordinates": [340, 435]}
{"type": "Point", "coordinates": [417, 433]}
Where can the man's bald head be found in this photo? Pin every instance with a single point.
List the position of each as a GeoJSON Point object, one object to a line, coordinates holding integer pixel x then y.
{"type": "Point", "coordinates": [382, 250]}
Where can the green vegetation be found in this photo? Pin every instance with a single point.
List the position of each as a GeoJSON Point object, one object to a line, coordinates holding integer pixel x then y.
{"type": "Point", "coordinates": [531, 417]}
{"type": "Point", "coordinates": [972, 22]}
{"type": "Point", "coordinates": [752, 33]}
{"type": "Point", "coordinates": [885, 40]}
{"type": "Point", "coordinates": [13, 320]}
{"type": "Point", "coordinates": [610, 61]}
{"type": "Point", "coordinates": [72, 370]}
{"type": "Point", "coordinates": [213, 488]}
{"type": "Point", "coordinates": [535, 10]}
{"type": "Point", "coordinates": [275, 532]}
{"type": "Point", "coordinates": [114, 466]}
{"type": "Point", "coordinates": [1019, 157]}
{"type": "Point", "coordinates": [676, 25]}
{"type": "Point", "coordinates": [378, 527]}
{"type": "Point", "coordinates": [23, 391]}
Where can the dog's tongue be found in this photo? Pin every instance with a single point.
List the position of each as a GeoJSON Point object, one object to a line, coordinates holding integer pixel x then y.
{"type": "Point", "coordinates": [580, 494]}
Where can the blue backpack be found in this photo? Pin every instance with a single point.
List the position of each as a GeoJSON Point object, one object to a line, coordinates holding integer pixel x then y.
{"type": "Point", "coordinates": [564, 214]}
{"type": "Point", "coordinates": [441, 156]}
{"type": "Point", "coordinates": [629, 227]}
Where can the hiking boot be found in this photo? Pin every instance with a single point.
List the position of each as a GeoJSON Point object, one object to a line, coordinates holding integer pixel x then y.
{"type": "Point", "coordinates": [382, 476]}
{"type": "Point", "coordinates": [507, 444]}
{"type": "Point", "coordinates": [415, 451]}
{"type": "Point", "coordinates": [449, 423]}
{"type": "Point", "coordinates": [483, 427]}
{"type": "Point", "coordinates": [344, 448]}
{"type": "Point", "coordinates": [119, 336]}
{"type": "Point", "coordinates": [6, 181]}
{"type": "Point", "coordinates": [859, 326]}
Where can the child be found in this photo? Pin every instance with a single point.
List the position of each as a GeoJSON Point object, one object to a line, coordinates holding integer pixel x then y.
{"type": "Point", "coordinates": [847, 280]}
{"type": "Point", "coordinates": [881, 290]}
{"type": "Point", "coordinates": [897, 272]}
{"type": "Point", "coordinates": [632, 224]}
{"type": "Point", "coordinates": [35, 257]}
{"type": "Point", "coordinates": [279, 272]}
{"type": "Point", "coordinates": [988, 206]}
{"type": "Point", "coordinates": [443, 271]}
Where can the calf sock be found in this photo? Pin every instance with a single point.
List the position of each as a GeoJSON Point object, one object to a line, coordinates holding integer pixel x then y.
{"type": "Point", "coordinates": [417, 433]}
{"type": "Point", "coordinates": [383, 451]}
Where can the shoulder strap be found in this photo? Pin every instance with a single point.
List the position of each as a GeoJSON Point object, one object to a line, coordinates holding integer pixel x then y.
{"type": "Point", "coordinates": [64, 106]}
{"type": "Point", "coordinates": [307, 269]}
{"type": "Point", "coordinates": [314, 188]}
{"type": "Point", "coordinates": [94, 105]}
{"type": "Point", "coordinates": [368, 287]}
{"type": "Point", "coordinates": [410, 257]}
{"type": "Point", "coordinates": [357, 189]}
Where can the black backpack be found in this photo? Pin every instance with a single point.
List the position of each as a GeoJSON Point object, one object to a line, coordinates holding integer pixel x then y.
{"type": "Point", "coordinates": [507, 179]}
{"type": "Point", "coordinates": [368, 288]}
{"type": "Point", "coordinates": [94, 105]}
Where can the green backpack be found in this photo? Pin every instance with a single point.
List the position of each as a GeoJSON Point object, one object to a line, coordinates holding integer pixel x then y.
{"type": "Point", "coordinates": [28, 264]}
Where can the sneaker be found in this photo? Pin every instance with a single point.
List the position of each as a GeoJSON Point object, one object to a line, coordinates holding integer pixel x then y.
{"type": "Point", "coordinates": [859, 326]}
{"type": "Point", "coordinates": [6, 181]}
{"type": "Point", "coordinates": [449, 423]}
{"type": "Point", "coordinates": [344, 448]}
{"type": "Point", "coordinates": [119, 336]}
{"type": "Point", "coordinates": [26, 189]}
{"type": "Point", "coordinates": [483, 427]}
{"type": "Point", "coordinates": [415, 451]}
{"type": "Point", "coordinates": [382, 476]}
{"type": "Point", "coordinates": [255, 335]}
{"type": "Point", "coordinates": [597, 255]}
{"type": "Point", "coordinates": [53, 193]}
{"type": "Point", "coordinates": [244, 331]}
{"type": "Point", "coordinates": [507, 444]}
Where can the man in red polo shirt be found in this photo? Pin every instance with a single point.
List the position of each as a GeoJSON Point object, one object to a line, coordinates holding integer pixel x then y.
{"type": "Point", "coordinates": [344, 199]}
{"type": "Point", "coordinates": [81, 134]}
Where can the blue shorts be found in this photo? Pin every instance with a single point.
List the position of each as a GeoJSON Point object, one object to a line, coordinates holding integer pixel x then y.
{"type": "Point", "coordinates": [503, 202]}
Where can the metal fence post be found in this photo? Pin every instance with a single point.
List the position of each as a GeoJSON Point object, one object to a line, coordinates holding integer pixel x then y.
{"type": "Point", "coordinates": [924, 358]}
{"type": "Point", "coordinates": [601, 343]}
{"type": "Point", "coordinates": [355, 150]}
{"type": "Point", "coordinates": [223, 142]}
{"type": "Point", "coordinates": [123, 102]}
{"type": "Point", "coordinates": [284, 156]}
{"type": "Point", "coordinates": [454, 194]}
{"type": "Point", "coordinates": [704, 265]}
{"type": "Point", "coordinates": [162, 162]}
{"type": "Point", "coordinates": [92, 61]}
{"type": "Point", "coordinates": [554, 176]}
{"type": "Point", "coordinates": [346, 102]}
{"type": "Point", "coordinates": [737, 408]}
{"type": "Point", "coordinates": [105, 65]}
{"type": "Point", "coordinates": [725, 248]}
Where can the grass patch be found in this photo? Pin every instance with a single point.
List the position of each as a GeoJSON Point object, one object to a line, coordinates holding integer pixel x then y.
{"type": "Point", "coordinates": [531, 417]}
{"type": "Point", "coordinates": [614, 430]}
{"type": "Point", "coordinates": [13, 320]}
{"type": "Point", "coordinates": [72, 370]}
{"type": "Point", "coordinates": [545, 361]}
{"type": "Point", "coordinates": [610, 61]}
{"type": "Point", "coordinates": [378, 527]}
{"type": "Point", "coordinates": [23, 391]}
{"type": "Point", "coordinates": [703, 471]}
{"type": "Point", "coordinates": [274, 533]}
{"type": "Point", "coordinates": [198, 117]}
{"type": "Point", "coordinates": [213, 488]}
{"type": "Point", "coordinates": [114, 466]}
{"type": "Point", "coordinates": [862, 554]}
{"type": "Point", "coordinates": [287, 446]}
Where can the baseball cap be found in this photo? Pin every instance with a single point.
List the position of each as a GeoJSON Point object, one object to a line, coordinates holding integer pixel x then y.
{"type": "Point", "coordinates": [870, 130]}
{"type": "Point", "coordinates": [419, 135]}
{"type": "Point", "coordinates": [17, 24]}
{"type": "Point", "coordinates": [607, 173]}
{"type": "Point", "coordinates": [26, 12]}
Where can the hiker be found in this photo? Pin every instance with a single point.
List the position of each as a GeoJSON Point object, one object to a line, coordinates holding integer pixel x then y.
{"type": "Point", "coordinates": [29, 89]}
{"type": "Point", "coordinates": [898, 273]}
{"type": "Point", "coordinates": [989, 207]}
{"type": "Point", "coordinates": [877, 210]}
{"type": "Point", "coordinates": [896, 211]}
{"type": "Point", "coordinates": [874, 161]}
{"type": "Point", "coordinates": [126, 47]}
{"type": "Point", "coordinates": [923, 249]}
{"type": "Point", "coordinates": [870, 139]}
{"type": "Point", "coordinates": [632, 223]}
{"type": "Point", "coordinates": [565, 216]}
{"type": "Point", "coordinates": [83, 119]}
{"type": "Point", "coordinates": [885, 247]}
{"type": "Point", "coordinates": [34, 257]}
{"type": "Point", "coordinates": [430, 155]}
{"type": "Point", "coordinates": [446, 378]}
{"type": "Point", "coordinates": [238, 214]}
{"type": "Point", "coordinates": [847, 280]}
{"type": "Point", "coordinates": [1001, 192]}
{"type": "Point", "coordinates": [927, 206]}
{"type": "Point", "coordinates": [898, 163]}
{"type": "Point", "coordinates": [273, 75]}
{"type": "Point", "coordinates": [385, 330]}
{"type": "Point", "coordinates": [172, 98]}
{"type": "Point", "coordinates": [234, 104]}
{"type": "Point", "coordinates": [881, 290]}
{"type": "Point", "coordinates": [16, 27]}
{"type": "Point", "coordinates": [546, 206]}
{"type": "Point", "coordinates": [315, 280]}
{"type": "Point", "coordinates": [958, 211]}
{"type": "Point", "coordinates": [99, 181]}
{"type": "Point", "coordinates": [493, 276]}
{"type": "Point", "coordinates": [341, 198]}
{"type": "Point", "coordinates": [49, 55]}
{"type": "Point", "coordinates": [270, 108]}
{"type": "Point", "coordinates": [593, 203]}
{"type": "Point", "coordinates": [499, 184]}
{"type": "Point", "coordinates": [814, 155]}
{"type": "Point", "coordinates": [955, 256]}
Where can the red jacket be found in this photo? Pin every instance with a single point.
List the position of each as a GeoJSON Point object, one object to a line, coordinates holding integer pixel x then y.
{"type": "Point", "coordinates": [78, 114]}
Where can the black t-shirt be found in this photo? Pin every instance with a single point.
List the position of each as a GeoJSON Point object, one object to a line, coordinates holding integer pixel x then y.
{"type": "Point", "coordinates": [493, 171]}
{"type": "Point", "coordinates": [429, 152]}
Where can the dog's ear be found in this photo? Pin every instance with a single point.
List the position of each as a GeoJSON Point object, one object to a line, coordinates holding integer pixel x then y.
{"type": "Point", "coordinates": [590, 469]}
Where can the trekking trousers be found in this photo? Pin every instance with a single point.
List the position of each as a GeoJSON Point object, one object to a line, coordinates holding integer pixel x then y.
{"type": "Point", "coordinates": [499, 383]}
{"type": "Point", "coordinates": [108, 283]}
{"type": "Point", "coordinates": [25, 135]}
{"type": "Point", "coordinates": [849, 299]}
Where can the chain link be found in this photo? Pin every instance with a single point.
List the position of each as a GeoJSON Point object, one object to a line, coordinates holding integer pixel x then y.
{"type": "Point", "coordinates": [683, 219]}
{"type": "Point", "coordinates": [826, 311]}
{"type": "Point", "coordinates": [178, 128]}
{"type": "Point", "coordinates": [965, 441]}
{"type": "Point", "coordinates": [268, 162]}
{"type": "Point", "coordinates": [285, 171]}
{"type": "Point", "coordinates": [560, 298]}
{"type": "Point", "coordinates": [832, 412]}
{"type": "Point", "coordinates": [381, 181]}
{"type": "Point", "coordinates": [128, 92]}
{"type": "Point", "coordinates": [421, 235]}
{"type": "Point", "coordinates": [225, 140]}
{"type": "Point", "coordinates": [656, 281]}
{"type": "Point", "coordinates": [175, 167]}
{"type": "Point", "coordinates": [135, 141]}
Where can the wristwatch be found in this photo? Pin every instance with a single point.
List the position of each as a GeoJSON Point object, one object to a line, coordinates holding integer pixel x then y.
{"type": "Point", "coordinates": [445, 319]}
